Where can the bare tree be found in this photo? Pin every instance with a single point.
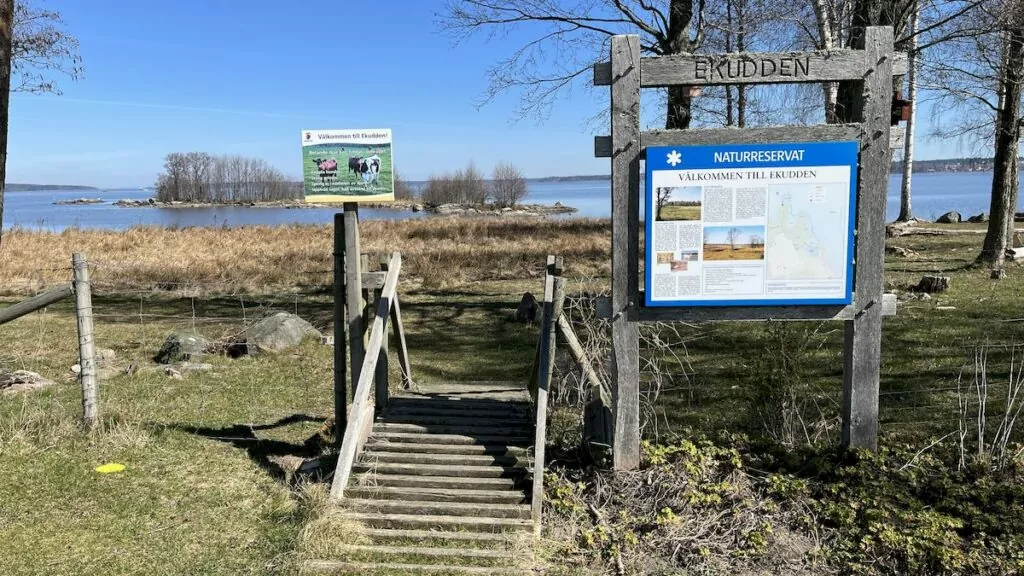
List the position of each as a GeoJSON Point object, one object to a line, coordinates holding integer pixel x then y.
{"type": "Point", "coordinates": [661, 197]}
{"type": "Point", "coordinates": [906, 210]}
{"type": "Point", "coordinates": [403, 191]}
{"type": "Point", "coordinates": [569, 36]}
{"type": "Point", "coordinates": [32, 47]}
{"type": "Point", "coordinates": [201, 177]}
{"type": "Point", "coordinates": [508, 187]}
{"type": "Point", "coordinates": [733, 237]}
{"type": "Point", "coordinates": [756, 241]}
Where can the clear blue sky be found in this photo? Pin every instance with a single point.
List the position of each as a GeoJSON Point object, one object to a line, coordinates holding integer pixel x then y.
{"type": "Point", "coordinates": [226, 76]}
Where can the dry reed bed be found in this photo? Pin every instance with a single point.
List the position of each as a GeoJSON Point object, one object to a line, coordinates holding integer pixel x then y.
{"type": "Point", "coordinates": [438, 251]}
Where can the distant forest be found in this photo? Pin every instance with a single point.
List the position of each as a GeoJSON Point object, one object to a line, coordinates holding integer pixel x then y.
{"type": "Point", "coordinates": [15, 187]}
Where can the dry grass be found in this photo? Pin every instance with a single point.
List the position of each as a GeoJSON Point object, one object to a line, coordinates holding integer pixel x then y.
{"type": "Point", "coordinates": [438, 251]}
{"type": "Point", "coordinates": [680, 213]}
{"type": "Point", "coordinates": [727, 252]}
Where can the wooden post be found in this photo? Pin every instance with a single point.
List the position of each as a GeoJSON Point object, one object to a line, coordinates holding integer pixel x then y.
{"type": "Point", "coordinates": [863, 335]}
{"type": "Point", "coordinates": [353, 289]}
{"type": "Point", "coordinates": [381, 396]}
{"type": "Point", "coordinates": [403, 350]}
{"type": "Point", "coordinates": [554, 296]}
{"type": "Point", "coordinates": [86, 339]}
{"type": "Point", "coordinates": [625, 357]}
{"type": "Point", "coordinates": [340, 392]}
{"type": "Point", "coordinates": [34, 303]}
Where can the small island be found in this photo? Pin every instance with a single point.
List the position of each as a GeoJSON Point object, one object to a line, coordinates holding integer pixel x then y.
{"type": "Point", "coordinates": [79, 201]}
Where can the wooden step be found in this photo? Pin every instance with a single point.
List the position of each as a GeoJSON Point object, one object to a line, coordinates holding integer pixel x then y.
{"type": "Point", "coordinates": [382, 468]}
{"type": "Point", "coordinates": [377, 445]}
{"type": "Point", "coordinates": [452, 409]}
{"type": "Point", "coordinates": [436, 494]}
{"type": "Point", "coordinates": [457, 523]}
{"type": "Point", "coordinates": [513, 423]}
{"type": "Point", "coordinates": [441, 482]}
{"type": "Point", "coordinates": [335, 567]}
{"type": "Point", "coordinates": [425, 508]}
{"type": "Point", "coordinates": [374, 456]}
{"type": "Point", "coordinates": [459, 402]}
{"type": "Point", "coordinates": [427, 551]}
{"type": "Point", "coordinates": [451, 439]}
{"type": "Point", "coordinates": [494, 540]}
{"type": "Point", "coordinates": [483, 430]}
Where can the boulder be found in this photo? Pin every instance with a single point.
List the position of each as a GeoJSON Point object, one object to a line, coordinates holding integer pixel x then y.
{"type": "Point", "coordinates": [949, 218]}
{"type": "Point", "coordinates": [528, 310]}
{"type": "Point", "coordinates": [182, 348]}
{"type": "Point", "coordinates": [277, 333]}
{"type": "Point", "coordinates": [105, 357]}
{"type": "Point", "coordinates": [978, 218]}
{"type": "Point", "coordinates": [932, 284]}
{"type": "Point", "coordinates": [21, 381]}
{"type": "Point", "coordinates": [417, 207]}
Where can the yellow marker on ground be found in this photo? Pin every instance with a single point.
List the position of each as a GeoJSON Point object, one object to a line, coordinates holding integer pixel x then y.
{"type": "Point", "coordinates": [110, 468]}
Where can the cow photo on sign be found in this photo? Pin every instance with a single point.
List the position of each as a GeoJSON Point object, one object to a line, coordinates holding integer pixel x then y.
{"type": "Point", "coordinates": [347, 165]}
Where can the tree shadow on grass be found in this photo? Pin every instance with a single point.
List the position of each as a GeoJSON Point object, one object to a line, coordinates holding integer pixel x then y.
{"type": "Point", "coordinates": [283, 461]}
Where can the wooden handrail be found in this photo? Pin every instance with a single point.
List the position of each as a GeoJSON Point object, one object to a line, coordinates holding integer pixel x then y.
{"type": "Point", "coordinates": [554, 296]}
{"type": "Point", "coordinates": [356, 430]}
{"type": "Point", "coordinates": [35, 303]}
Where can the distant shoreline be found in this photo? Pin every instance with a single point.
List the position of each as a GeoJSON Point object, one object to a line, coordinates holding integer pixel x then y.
{"type": "Point", "coordinates": [397, 205]}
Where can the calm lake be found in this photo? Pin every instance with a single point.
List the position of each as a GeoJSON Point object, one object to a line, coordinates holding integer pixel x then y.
{"type": "Point", "coordinates": [934, 194]}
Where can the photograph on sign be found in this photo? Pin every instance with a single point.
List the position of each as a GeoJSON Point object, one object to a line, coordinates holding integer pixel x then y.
{"type": "Point", "coordinates": [348, 165]}
{"type": "Point", "coordinates": [750, 225]}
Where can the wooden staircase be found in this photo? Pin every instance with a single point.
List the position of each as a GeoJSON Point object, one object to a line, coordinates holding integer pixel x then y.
{"type": "Point", "coordinates": [443, 484]}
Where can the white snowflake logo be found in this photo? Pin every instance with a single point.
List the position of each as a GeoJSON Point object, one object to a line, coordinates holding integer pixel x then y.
{"type": "Point", "coordinates": [674, 158]}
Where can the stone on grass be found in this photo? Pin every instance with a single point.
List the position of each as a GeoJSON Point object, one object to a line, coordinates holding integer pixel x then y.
{"type": "Point", "coordinates": [898, 251]}
{"type": "Point", "coordinates": [932, 284]}
{"type": "Point", "coordinates": [978, 218]}
{"type": "Point", "coordinates": [171, 372]}
{"type": "Point", "coordinates": [182, 348]}
{"type": "Point", "coordinates": [105, 357]}
{"type": "Point", "coordinates": [949, 218]}
{"type": "Point", "coordinates": [195, 367]}
{"type": "Point", "coordinates": [277, 333]}
{"type": "Point", "coordinates": [21, 381]}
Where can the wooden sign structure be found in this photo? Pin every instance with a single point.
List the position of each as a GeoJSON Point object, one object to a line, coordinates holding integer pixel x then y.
{"type": "Point", "coordinates": [874, 67]}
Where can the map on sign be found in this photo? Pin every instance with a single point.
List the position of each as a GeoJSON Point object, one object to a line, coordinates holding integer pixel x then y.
{"type": "Point", "coordinates": [802, 239]}
{"type": "Point", "coordinates": [765, 224]}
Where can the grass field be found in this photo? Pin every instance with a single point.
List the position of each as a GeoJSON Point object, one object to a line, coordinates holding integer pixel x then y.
{"type": "Point", "coordinates": [680, 213]}
{"type": "Point", "coordinates": [208, 488]}
{"type": "Point", "coordinates": [727, 252]}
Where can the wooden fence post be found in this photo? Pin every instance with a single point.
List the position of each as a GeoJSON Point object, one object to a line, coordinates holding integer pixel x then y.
{"type": "Point", "coordinates": [340, 332]}
{"type": "Point", "coordinates": [354, 289]}
{"type": "Point", "coordinates": [862, 346]}
{"type": "Point", "coordinates": [381, 396]}
{"type": "Point", "coordinates": [86, 339]}
{"type": "Point", "coordinates": [554, 297]}
{"type": "Point", "coordinates": [625, 373]}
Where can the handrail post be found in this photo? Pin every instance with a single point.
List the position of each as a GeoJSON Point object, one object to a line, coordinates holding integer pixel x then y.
{"type": "Point", "coordinates": [86, 339]}
{"type": "Point", "coordinates": [381, 396]}
{"type": "Point", "coordinates": [554, 296]}
{"type": "Point", "coordinates": [340, 331]}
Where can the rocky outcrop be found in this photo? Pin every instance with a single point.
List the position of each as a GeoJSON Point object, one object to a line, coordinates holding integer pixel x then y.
{"type": "Point", "coordinates": [79, 201]}
{"type": "Point", "coordinates": [277, 333]}
{"type": "Point", "coordinates": [21, 381]}
{"type": "Point", "coordinates": [182, 348]}
{"type": "Point", "coordinates": [949, 218]}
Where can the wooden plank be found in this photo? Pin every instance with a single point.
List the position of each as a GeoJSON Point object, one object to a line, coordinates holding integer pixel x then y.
{"type": "Point", "coordinates": [340, 331]}
{"type": "Point", "coordinates": [380, 379]}
{"type": "Point", "coordinates": [403, 350]}
{"type": "Point", "coordinates": [86, 339]}
{"type": "Point", "coordinates": [538, 355]}
{"type": "Point", "coordinates": [735, 313]}
{"type": "Point", "coordinates": [553, 303]}
{"type": "Point", "coordinates": [353, 289]}
{"type": "Point", "coordinates": [625, 170]}
{"type": "Point", "coordinates": [750, 68]}
{"type": "Point", "coordinates": [373, 280]}
{"type": "Point", "coordinates": [719, 136]}
{"type": "Point", "coordinates": [356, 429]}
{"type": "Point", "coordinates": [597, 418]}
{"type": "Point", "coordinates": [863, 334]}
{"type": "Point", "coordinates": [34, 303]}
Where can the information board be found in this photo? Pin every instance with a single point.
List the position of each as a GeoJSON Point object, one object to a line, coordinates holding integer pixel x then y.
{"type": "Point", "coordinates": [750, 225]}
{"type": "Point", "coordinates": [348, 165]}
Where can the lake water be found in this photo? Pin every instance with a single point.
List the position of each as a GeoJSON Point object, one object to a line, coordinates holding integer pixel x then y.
{"type": "Point", "coordinates": [934, 194]}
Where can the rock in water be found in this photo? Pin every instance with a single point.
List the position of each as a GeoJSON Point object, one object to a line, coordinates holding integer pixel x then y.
{"type": "Point", "coordinates": [182, 348]}
{"type": "Point", "coordinates": [276, 333]}
{"type": "Point", "coordinates": [932, 284]}
{"type": "Point", "coordinates": [978, 218]}
{"type": "Point", "coordinates": [21, 381]}
{"type": "Point", "coordinates": [949, 218]}
{"type": "Point", "coordinates": [528, 310]}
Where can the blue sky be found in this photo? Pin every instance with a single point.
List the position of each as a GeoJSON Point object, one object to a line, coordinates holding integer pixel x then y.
{"type": "Point", "coordinates": [226, 76]}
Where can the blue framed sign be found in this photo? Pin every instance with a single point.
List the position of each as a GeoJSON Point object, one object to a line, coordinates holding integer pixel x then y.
{"type": "Point", "coordinates": [751, 225]}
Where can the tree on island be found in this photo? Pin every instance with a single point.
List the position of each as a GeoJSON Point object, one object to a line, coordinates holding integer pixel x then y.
{"type": "Point", "coordinates": [32, 48]}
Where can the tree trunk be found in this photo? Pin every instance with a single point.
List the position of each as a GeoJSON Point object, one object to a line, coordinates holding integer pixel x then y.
{"type": "Point", "coordinates": [1004, 171]}
{"type": "Point", "coordinates": [866, 13]}
{"type": "Point", "coordinates": [6, 38]}
{"type": "Point", "coordinates": [741, 46]}
{"type": "Point", "coordinates": [906, 212]}
{"type": "Point", "coordinates": [679, 40]}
